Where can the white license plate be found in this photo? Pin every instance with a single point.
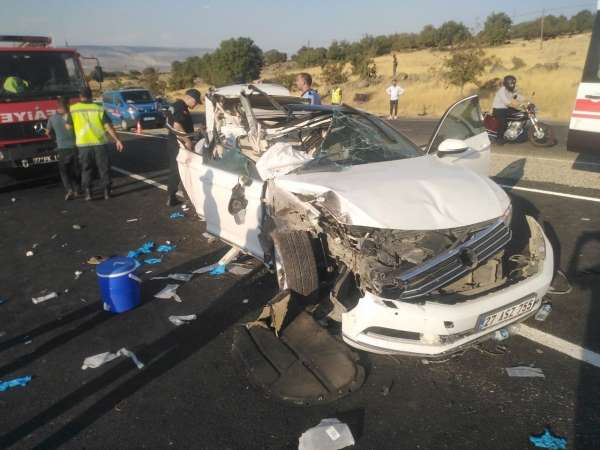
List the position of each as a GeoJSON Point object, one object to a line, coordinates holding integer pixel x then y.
{"type": "Point", "coordinates": [148, 118]}
{"type": "Point", "coordinates": [518, 309]}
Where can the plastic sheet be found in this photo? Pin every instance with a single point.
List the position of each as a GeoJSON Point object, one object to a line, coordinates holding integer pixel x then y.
{"type": "Point", "coordinates": [281, 158]}
{"type": "Point", "coordinates": [330, 434]}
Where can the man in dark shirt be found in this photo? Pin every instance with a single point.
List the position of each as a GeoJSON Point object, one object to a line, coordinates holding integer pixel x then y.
{"type": "Point", "coordinates": [179, 123]}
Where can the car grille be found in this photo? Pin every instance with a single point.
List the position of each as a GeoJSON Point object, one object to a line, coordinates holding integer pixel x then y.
{"type": "Point", "coordinates": [446, 267]}
{"type": "Point", "coordinates": [20, 130]}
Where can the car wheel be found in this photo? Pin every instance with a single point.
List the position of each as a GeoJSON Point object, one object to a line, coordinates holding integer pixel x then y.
{"type": "Point", "coordinates": [124, 125]}
{"type": "Point", "coordinates": [295, 262]}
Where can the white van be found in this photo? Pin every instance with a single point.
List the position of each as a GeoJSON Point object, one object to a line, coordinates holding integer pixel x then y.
{"type": "Point", "coordinates": [584, 128]}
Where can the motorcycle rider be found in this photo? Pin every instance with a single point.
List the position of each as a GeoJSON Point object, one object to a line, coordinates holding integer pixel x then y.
{"type": "Point", "coordinates": [505, 99]}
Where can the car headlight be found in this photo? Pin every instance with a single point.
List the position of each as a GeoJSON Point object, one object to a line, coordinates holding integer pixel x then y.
{"type": "Point", "coordinates": [131, 110]}
{"type": "Point", "coordinates": [507, 215]}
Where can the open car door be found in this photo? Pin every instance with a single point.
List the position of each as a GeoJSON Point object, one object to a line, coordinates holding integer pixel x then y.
{"type": "Point", "coordinates": [463, 121]}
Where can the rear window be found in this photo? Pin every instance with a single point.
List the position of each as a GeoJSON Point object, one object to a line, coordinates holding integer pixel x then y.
{"type": "Point", "coordinates": [137, 97]}
{"type": "Point", "coordinates": [591, 71]}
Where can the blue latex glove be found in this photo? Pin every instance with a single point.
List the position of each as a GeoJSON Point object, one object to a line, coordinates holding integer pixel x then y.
{"type": "Point", "coordinates": [219, 270]}
{"type": "Point", "coordinates": [547, 440]}
{"type": "Point", "coordinates": [5, 385]}
{"type": "Point", "coordinates": [165, 248]}
{"type": "Point", "coordinates": [177, 215]}
{"type": "Point", "coordinates": [153, 261]}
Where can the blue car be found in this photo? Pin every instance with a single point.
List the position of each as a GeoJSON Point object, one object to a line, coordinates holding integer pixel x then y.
{"type": "Point", "coordinates": [127, 107]}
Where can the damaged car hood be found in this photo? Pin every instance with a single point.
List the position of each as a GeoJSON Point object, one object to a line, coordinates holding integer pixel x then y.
{"type": "Point", "coordinates": [422, 193]}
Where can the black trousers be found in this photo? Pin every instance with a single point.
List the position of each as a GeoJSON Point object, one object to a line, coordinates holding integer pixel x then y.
{"type": "Point", "coordinates": [174, 178]}
{"type": "Point", "coordinates": [393, 107]}
{"type": "Point", "coordinates": [500, 114]}
{"type": "Point", "coordinates": [94, 156]}
{"type": "Point", "coordinates": [68, 167]}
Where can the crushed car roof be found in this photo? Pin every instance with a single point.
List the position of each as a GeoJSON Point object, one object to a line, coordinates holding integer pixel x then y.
{"type": "Point", "coordinates": [234, 90]}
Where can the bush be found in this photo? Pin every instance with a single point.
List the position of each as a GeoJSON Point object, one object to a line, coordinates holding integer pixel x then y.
{"type": "Point", "coordinates": [333, 73]}
{"type": "Point", "coordinates": [309, 57]}
{"type": "Point", "coordinates": [274, 57]}
{"type": "Point", "coordinates": [518, 63]}
{"type": "Point", "coordinates": [496, 30]}
{"type": "Point", "coordinates": [363, 66]}
{"type": "Point", "coordinates": [285, 79]}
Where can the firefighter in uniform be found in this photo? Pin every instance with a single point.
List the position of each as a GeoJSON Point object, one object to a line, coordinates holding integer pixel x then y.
{"type": "Point", "coordinates": [92, 128]}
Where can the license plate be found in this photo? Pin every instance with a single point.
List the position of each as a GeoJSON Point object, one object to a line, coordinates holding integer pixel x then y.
{"type": "Point", "coordinates": [148, 118]}
{"type": "Point", "coordinates": [38, 160]}
{"type": "Point", "coordinates": [518, 309]}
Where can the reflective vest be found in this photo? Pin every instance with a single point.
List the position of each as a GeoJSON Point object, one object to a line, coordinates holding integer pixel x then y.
{"type": "Point", "coordinates": [336, 96]}
{"type": "Point", "coordinates": [15, 85]}
{"type": "Point", "coordinates": [88, 124]}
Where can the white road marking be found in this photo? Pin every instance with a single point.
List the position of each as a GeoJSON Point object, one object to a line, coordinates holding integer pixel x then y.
{"type": "Point", "coordinates": [560, 345]}
{"type": "Point", "coordinates": [553, 193]}
{"type": "Point", "coordinates": [545, 339]}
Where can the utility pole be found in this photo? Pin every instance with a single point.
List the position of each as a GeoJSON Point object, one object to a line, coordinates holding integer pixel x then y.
{"type": "Point", "coordinates": [542, 29]}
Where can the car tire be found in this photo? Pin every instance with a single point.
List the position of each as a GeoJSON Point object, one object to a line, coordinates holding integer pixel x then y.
{"type": "Point", "coordinates": [295, 262]}
{"type": "Point", "coordinates": [124, 125]}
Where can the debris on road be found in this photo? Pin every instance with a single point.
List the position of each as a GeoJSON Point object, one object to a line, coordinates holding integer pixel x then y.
{"type": "Point", "coordinates": [153, 261]}
{"type": "Point", "coordinates": [78, 273]}
{"type": "Point", "coordinates": [205, 269]}
{"type": "Point", "coordinates": [182, 320]}
{"type": "Point", "coordinates": [77, 226]}
{"type": "Point", "coordinates": [209, 237]}
{"type": "Point", "coordinates": [543, 312]}
{"type": "Point", "coordinates": [166, 248]}
{"type": "Point", "coordinates": [29, 253]}
{"type": "Point", "coordinates": [525, 372]}
{"type": "Point", "coordinates": [176, 215]}
{"type": "Point", "coordinates": [330, 434]}
{"type": "Point", "coordinates": [44, 298]}
{"type": "Point", "coordinates": [184, 277]}
{"type": "Point", "coordinates": [245, 301]}
{"type": "Point", "coordinates": [16, 382]}
{"type": "Point", "coordinates": [132, 220]}
{"type": "Point", "coordinates": [143, 250]}
{"type": "Point", "coordinates": [95, 361]}
{"type": "Point", "coordinates": [95, 260]}
{"type": "Point", "coordinates": [54, 236]}
{"type": "Point", "coordinates": [220, 269]}
{"type": "Point", "coordinates": [169, 291]}
{"type": "Point", "coordinates": [548, 440]}
{"type": "Point", "coordinates": [586, 219]}
{"type": "Point", "coordinates": [13, 200]}
{"type": "Point", "coordinates": [239, 269]}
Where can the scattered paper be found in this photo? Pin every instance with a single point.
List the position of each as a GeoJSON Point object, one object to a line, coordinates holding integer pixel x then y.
{"type": "Point", "coordinates": [330, 434]}
{"type": "Point", "coordinates": [93, 362]}
{"type": "Point", "coordinates": [548, 440]}
{"type": "Point", "coordinates": [44, 298]}
{"type": "Point", "coordinates": [586, 219]}
{"type": "Point", "coordinates": [169, 291]}
{"type": "Point", "coordinates": [132, 220]}
{"type": "Point", "coordinates": [525, 372]}
{"type": "Point", "coordinates": [13, 200]}
{"type": "Point", "coordinates": [78, 273]}
{"type": "Point", "coordinates": [182, 320]}
{"type": "Point", "coordinates": [16, 382]}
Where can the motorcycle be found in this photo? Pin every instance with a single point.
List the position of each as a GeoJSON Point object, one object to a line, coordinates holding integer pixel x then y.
{"type": "Point", "coordinates": [522, 125]}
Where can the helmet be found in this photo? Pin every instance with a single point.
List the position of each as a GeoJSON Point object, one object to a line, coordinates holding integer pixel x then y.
{"type": "Point", "coordinates": [510, 82]}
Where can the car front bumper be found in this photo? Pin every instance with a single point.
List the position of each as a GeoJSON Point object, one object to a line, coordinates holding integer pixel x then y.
{"type": "Point", "coordinates": [435, 329]}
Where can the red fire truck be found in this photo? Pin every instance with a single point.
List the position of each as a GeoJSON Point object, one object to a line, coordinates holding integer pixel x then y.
{"type": "Point", "coordinates": [32, 75]}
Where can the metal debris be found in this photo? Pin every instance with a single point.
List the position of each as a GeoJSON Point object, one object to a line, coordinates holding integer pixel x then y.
{"type": "Point", "coordinates": [182, 320]}
{"type": "Point", "coordinates": [44, 298]}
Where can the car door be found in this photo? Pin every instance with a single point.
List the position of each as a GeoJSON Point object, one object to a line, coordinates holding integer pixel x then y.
{"type": "Point", "coordinates": [464, 121]}
{"type": "Point", "coordinates": [211, 184]}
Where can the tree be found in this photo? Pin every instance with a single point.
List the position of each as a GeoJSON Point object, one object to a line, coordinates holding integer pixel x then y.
{"type": "Point", "coordinates": [363, 66]}
{"type": "Point", "coordinates": [310, 56]}
{"type": "Point", "coordinates": [496, 30]}
{"type": "Point", "coordinates": [237, 60]}
{"type": "Point", "coordinates": [274, 57]}
{"type": "Point", "coordinates": [452, 33]}
{"type": "Point", "coordinates": [582, 21]}
{"type": "Point", "coordinates": [150, 79]}
{"type": "Point", "coordinates": [464, 66]}
{"type": "Point", "coordinates": [428, 37]}
{"type": "Point", "coordinates": [338, 51]}
{"type": "Point", "coordinates": [333, 73]}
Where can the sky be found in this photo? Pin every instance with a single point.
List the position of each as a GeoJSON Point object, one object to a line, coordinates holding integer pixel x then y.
{"type": "Point", "coordinates": [280, 24]}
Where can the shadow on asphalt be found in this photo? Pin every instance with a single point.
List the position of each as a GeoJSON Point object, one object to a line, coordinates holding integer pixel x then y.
{"type": "Point", "coordinates": [159, 357]}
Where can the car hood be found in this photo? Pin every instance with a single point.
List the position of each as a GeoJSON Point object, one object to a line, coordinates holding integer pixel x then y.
{"type": "Point", "coordinates": [423, 193]}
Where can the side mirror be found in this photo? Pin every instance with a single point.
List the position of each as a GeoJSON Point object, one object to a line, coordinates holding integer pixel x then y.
{"type": "Point", "coordinates": [97, 74]}
{"type": "Point", "coordinates": [451, 147]}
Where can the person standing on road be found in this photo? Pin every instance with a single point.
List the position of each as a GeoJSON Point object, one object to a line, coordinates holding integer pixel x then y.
{"type": "Point", "coordinates": [68, 166]}
{"type": "Point", "coordinates": [304, 84]}
{"type": "Point", "coordinates": [394, 91]}
{"type": "Point", "coordinates": [506, 98]}
{"type": "Point", "coordinates": [179, 122]}
{"type": "Point", "coordinates": [336, 95]}
{"type": "Point", "coordinates": [91, 126]}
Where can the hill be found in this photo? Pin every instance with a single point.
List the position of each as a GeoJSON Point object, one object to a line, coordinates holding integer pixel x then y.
{"type": "Point", "coordinates": [125, 58]}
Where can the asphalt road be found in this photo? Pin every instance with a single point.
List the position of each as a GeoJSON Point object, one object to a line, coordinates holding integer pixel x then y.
{"type": "Point", "coordinates": [191, 394]}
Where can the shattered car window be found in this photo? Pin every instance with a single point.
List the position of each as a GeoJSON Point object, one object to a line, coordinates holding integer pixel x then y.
{"type": "Point", "coordinates": [354, 139]}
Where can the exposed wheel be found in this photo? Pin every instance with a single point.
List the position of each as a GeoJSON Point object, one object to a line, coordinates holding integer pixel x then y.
{"type": "Point", "coordinates": [295, 262]}
{"type": "Point", "coordinates": [543, 138]}
{"type": "Point", "coordinates": [124, 125]}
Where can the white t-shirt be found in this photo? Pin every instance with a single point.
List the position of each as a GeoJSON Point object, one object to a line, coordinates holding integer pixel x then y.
{"type": "Point", "coordinates": [504, 98]}
{"type": "Point", "coordinates": [394, 92]}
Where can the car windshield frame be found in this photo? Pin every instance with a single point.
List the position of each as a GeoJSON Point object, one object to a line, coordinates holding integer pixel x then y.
{"type": "Point", "coordinates": [137, 100]}
{"type": "Point", "coordinates": [40, 74]}
{"type": "Point", "coordinates": [356, 138]}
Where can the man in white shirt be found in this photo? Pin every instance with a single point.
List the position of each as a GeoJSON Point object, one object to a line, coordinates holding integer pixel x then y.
{"type": "Point", "coordinates": [394, 91]}
{"type": "Point", "coordinates": [506, 98]}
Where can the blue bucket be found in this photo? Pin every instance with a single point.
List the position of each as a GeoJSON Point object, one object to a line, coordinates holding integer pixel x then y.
{"type": "Point", "coordinates": [119, 287]}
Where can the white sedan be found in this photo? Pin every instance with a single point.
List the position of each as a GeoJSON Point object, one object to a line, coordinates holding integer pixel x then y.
{"type": "Point", "coordinates": [410, 248]}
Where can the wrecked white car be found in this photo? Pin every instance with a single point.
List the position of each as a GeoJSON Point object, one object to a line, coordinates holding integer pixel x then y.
{"type": "Point", "coordinates": [412, 246]}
